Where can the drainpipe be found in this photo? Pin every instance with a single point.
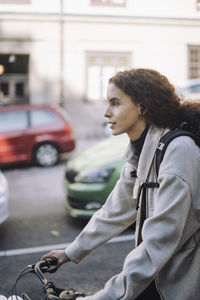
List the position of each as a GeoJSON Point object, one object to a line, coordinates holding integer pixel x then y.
{"type": "Point", "coordinates": [61, 81]}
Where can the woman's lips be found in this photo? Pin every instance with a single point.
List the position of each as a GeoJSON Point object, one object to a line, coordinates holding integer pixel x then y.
{"type": "Point", "coordinates": [111, 124]}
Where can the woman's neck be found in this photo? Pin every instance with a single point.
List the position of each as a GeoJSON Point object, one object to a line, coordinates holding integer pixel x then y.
{"type": "Point", "coordinates": [138, 130]}
{"type": "Point", "coordinates": [137, 145]}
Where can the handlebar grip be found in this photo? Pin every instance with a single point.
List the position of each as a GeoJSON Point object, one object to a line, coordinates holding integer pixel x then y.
{"type": "Point", "coordinates": [51, 261]}
{"type": "Point", "coordinates": [45, 265]}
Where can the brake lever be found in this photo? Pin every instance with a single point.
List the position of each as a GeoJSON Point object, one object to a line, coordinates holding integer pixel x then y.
{"type": "Point", "coordinates": [51, 269]}
{"type": "Point", "coordinates": [46, 268]}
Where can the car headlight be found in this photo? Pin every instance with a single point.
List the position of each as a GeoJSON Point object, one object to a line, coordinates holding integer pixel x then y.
{"type": "Point", "coordinates": [96, 176]}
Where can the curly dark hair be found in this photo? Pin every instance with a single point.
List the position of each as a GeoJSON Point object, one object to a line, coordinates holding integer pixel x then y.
{"type": "Point", "coordinates": [157, 95]}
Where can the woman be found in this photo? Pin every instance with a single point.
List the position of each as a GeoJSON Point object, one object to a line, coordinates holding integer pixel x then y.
{"type": "Point", "coordinates": [165, 262]}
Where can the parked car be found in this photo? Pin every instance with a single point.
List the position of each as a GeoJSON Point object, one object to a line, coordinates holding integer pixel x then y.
{"type": "Point", "coordinates": [3, 198]}
{"type": "Point", "coordinates": [36, 133]}
{"type": "Point", "coordinates": [190, 90]}
{"type": "Point", "coordinates": [91, 175]}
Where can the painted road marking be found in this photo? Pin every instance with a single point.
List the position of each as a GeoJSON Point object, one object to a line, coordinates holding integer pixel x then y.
{"type": "Point", "coordinates": [118, 239]}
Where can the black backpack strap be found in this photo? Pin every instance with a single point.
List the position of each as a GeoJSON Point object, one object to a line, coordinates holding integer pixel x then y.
{"type": "Point", "coordinates": [144, 186]}
{"type": "Point", "coordinates": [167, 138]}
{"type": "Point", "coordinates": [142, 194]}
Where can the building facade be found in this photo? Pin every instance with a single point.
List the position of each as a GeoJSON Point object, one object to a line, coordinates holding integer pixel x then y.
{"type": "Point", "coordinates": [55, 51]}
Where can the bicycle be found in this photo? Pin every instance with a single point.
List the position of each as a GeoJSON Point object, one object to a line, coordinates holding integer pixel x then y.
{"type": "Point", "coordinates": [50, 291]}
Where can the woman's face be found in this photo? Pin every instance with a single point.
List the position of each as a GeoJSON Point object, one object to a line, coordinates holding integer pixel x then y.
{"type": "Point", "coordinates": [123, 114]}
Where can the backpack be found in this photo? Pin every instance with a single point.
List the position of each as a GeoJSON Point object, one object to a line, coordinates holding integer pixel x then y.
{"type": "Point", "coordinates": [184, 129]}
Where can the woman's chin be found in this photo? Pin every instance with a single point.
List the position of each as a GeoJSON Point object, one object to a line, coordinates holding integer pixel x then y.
{"type": "Point", "coordinates": [116, 133]}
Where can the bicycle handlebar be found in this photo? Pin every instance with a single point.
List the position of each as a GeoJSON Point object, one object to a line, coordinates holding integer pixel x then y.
{"type": "Point", "coordinates": [51, 292]}
{"type": "Point", "coordinates": [45, 266]}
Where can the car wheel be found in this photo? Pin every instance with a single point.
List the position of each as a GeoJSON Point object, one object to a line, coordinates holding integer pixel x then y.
{"type": "Point", "coordinates": [46, 155]}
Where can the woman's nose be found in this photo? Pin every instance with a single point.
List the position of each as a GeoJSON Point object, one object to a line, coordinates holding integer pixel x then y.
{"type": "Point", "coordinates": [107, 113]}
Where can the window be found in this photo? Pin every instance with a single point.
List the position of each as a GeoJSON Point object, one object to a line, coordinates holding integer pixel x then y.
{"type": "Point", "coordinates": [13, 120]}
{"type": "Point", "coordinates": [193, 61]}
{"type": "Point", "coordinates": [100, 67]}
{"type": "Point", "coordinates": [109, 2]}
{"type": "Point", "coordinates": [4, 88]}
{"type": "Point", "coordinates": [190, 89]}
{"type": "Point", "coordinates": [195, 88]}
{"type": "Point", "coordinates": [19, 89]}
{"type": "Point", "coordinates": [41, 118]}
{"type": "Point", "coordinates": [198, 4]}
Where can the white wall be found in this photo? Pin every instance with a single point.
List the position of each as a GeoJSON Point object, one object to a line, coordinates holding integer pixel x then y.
{"type": "Point", "coordinates": [157, 46]}
{"type": "Point", "coordinates": [167, 8]}
{"type": "Point", "coordinates": [159, 43]}
{"type": "Point", "coordinates": [159, 8]}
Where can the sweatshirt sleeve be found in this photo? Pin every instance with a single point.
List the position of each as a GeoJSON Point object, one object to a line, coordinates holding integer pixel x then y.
{"type": "Point", "coordinates": [116, 215]}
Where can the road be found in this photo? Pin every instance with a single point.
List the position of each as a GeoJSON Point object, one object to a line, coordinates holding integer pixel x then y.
{"type": "Point", "coordinates": [38, 222]}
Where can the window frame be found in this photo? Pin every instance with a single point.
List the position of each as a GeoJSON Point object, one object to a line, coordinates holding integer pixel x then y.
{"type": "Point", "coordinates": [192, 64]}
{"type": "Point", "coordinates": [108, 3]}
{"type": "Point", "coordinates": [99, 56]}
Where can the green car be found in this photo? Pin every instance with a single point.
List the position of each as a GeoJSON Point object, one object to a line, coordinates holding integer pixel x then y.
{"type": "Point", "coordinates": [91, 175]}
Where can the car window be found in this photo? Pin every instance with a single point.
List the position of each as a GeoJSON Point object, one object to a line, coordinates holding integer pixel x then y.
{"type": "Point", "coordinates": [195, 88]}
{"type": "Point", "coordinates": [41, 117]}
{"type": "Point", "coordinates": [190, 89]}
{"type": "Point", "coordinates": [13, 120]}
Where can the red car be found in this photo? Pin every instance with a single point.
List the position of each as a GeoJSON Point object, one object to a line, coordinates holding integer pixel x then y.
{"type": "Point", "coordinates": [36, 133]}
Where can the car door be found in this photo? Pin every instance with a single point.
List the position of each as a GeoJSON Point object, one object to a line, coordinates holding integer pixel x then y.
{"type": "Point", "coordinates": [13, 136]}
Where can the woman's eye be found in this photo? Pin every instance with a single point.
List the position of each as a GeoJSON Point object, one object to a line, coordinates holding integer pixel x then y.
{"type": "Point", "coordinates": [115, 103]}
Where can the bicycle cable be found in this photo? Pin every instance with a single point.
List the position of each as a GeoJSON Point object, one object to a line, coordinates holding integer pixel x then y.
{"type": "Point", "coordinates": [20, 275]}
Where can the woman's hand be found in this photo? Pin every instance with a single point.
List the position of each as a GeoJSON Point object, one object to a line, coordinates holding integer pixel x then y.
{"type": "Point", "coordinates": [59, 254]}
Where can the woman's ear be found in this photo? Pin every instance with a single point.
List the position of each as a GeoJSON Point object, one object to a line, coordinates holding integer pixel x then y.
{"type": "Point", "coordinates": [142, 110]}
